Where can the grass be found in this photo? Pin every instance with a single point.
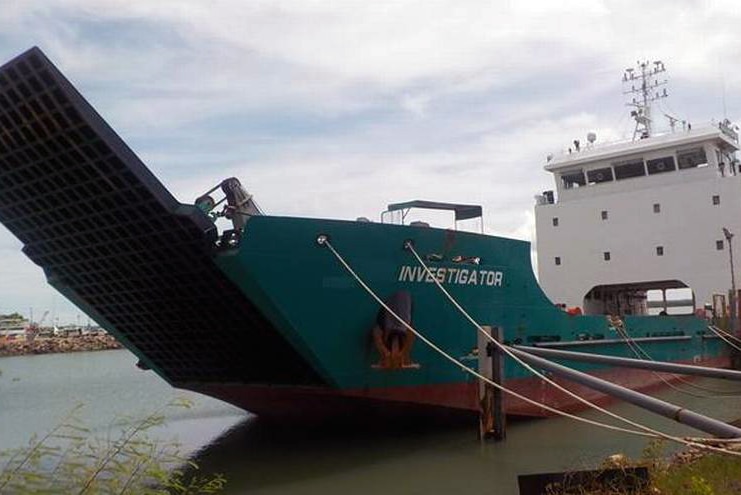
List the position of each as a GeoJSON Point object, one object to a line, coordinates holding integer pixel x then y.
{"type": "Point", "coordinates": [713, 474]}
{"type": "Point", "coordinates": [70, 459]}
{"type": "Point", "coordinates": [687, 473]}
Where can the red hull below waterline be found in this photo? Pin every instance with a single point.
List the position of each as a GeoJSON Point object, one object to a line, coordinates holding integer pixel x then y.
{"type": "Point", "coordinates": [430, 400]}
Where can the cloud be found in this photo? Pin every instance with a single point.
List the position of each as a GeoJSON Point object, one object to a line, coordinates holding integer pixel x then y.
{"type": "Point", "coordinates": [335, 109]}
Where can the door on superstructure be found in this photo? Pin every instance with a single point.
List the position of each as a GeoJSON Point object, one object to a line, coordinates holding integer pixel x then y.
{"type": "Point", "coordinates": [640, 298]}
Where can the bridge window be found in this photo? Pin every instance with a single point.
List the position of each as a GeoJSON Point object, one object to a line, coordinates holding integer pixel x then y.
{"type": "Point", "coordinates": [604, 214]}
{"type": "Point", "coordinates": [630, 169]}
{"type": "Point", "coordinates": [555, 221]}
{"type": "Point", "coordinates": [659, 250]}
{"type": "Point", "coordinates": [657, 208]}
{"type": "Point", "coordinates": [660, 165]}
{"type": "Point", "coordinates": [573, 179]}
{"type": "Point", "coordinates": [719, 245]}
{"type": "Point", "coordinates": [606, 255]}
{"type": "Point", "coordinates": [716, 200]}
{"type": "Point", "coordinates": [692, 158]}
{"type": "Point", "coordinates": [558, 260]}
{"type": "Point", "coordinates": [599, 175]}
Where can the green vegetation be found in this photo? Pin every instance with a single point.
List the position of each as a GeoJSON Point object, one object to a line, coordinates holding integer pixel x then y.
{"type": "Point", "coordinates": [707, 475]}
{"type": "Point", "coordinates": [70, 459]}
{"type": "Point", "coordinates": [691, 472]}
{"type": "Point", "coordinates": [688, 473]}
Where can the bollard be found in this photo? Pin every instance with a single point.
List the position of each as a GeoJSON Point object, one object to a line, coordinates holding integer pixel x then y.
{"type": "Point", "coordinates": [492, 419]}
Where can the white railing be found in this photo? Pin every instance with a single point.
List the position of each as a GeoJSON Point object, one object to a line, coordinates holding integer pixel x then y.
{"type": "Point", "coordinates": [725, 127]}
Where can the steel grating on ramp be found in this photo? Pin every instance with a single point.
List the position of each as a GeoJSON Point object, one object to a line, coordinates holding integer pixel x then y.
{"type": "Point", "coordinates": [112, 239]}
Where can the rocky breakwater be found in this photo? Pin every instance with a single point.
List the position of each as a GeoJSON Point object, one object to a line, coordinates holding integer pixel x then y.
{"type": "Point", "coordinates": [49, 345]}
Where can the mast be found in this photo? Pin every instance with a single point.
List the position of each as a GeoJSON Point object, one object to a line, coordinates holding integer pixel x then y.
{"type": "Point", "coordinates": [643, 87]}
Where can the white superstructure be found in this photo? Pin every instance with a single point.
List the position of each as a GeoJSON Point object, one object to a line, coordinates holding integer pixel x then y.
{"type": "Point", "coordinates": [12, 326]}
{"type": "Point", "coordinates": [647, 214]}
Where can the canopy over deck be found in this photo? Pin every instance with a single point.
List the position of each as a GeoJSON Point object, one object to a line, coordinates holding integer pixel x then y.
{"type": "Point", "coordinates": [462, 212]}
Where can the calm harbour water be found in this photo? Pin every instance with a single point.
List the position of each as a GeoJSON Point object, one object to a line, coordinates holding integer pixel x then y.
{"type": "Point", "coordinates": [259, 458]}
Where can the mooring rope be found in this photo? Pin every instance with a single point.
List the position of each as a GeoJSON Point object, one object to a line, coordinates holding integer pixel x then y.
{"type": "Point", "coordinates": [726, 332]}
{"type": "Point", "coordinates": [698, 443]}
{"type": "Point", "coordinates": [408, 245]}
{"type": "Point", "coordinates": [325, 242]}
{"type": "Point", "coordinates": [717, 331]}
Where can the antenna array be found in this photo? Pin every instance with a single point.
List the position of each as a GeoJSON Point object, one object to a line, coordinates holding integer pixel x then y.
{"type": "Point", "coordinates": [643, 86]}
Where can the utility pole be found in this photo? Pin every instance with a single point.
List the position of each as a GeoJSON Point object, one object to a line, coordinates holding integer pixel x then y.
{"type": "Point", "coordinates": [734, 331]}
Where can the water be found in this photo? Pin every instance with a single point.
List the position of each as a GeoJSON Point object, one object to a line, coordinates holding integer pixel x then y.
{"type": "Point", "coordinates": [260, 458]}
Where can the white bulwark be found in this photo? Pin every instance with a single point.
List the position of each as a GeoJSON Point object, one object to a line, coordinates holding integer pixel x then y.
{"type": "Point", "coordinates": [638, 216]}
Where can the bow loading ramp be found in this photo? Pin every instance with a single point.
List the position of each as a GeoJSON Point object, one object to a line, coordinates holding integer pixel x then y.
{"type": "Point", "coordinates": [114, 241]}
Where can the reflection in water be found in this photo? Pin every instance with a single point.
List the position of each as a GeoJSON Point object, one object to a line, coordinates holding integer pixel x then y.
{"type": "Point", "coordinates": [259, 457]}
{"type": "Point", "coordinates": [267, 457]}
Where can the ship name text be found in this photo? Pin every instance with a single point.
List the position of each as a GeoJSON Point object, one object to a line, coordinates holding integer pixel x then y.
{"type": "Point", "coordinates": [459, 276]}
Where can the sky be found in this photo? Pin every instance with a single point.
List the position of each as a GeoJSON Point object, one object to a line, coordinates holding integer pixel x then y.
{"type": "Point", "coordinates": [338, 108]}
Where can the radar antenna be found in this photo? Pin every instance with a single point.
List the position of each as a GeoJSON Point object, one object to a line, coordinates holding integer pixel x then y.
{"type": "Point", "coordinates": [643, 86]}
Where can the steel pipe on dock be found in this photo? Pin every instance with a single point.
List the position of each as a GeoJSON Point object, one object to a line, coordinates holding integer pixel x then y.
{"type": "Point", "coordinates": [667, 409]}
{"type": "Point", "coordinates": [659, 366]}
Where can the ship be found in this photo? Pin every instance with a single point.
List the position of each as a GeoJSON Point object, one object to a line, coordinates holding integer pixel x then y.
{"type": "Point", "coordinates": [12, 326]}
{"type": "Point", "coordinates": [276, 314]}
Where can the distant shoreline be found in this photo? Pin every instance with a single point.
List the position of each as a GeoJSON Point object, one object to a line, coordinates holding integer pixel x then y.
{"type": "Point", "coordinates": [57, 345]}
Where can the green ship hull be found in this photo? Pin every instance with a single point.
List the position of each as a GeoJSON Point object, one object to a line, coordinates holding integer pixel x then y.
{"type": "Point", "coordinates": [322, 311]}
{"type": "Point", "coordinates": [274, 323]}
